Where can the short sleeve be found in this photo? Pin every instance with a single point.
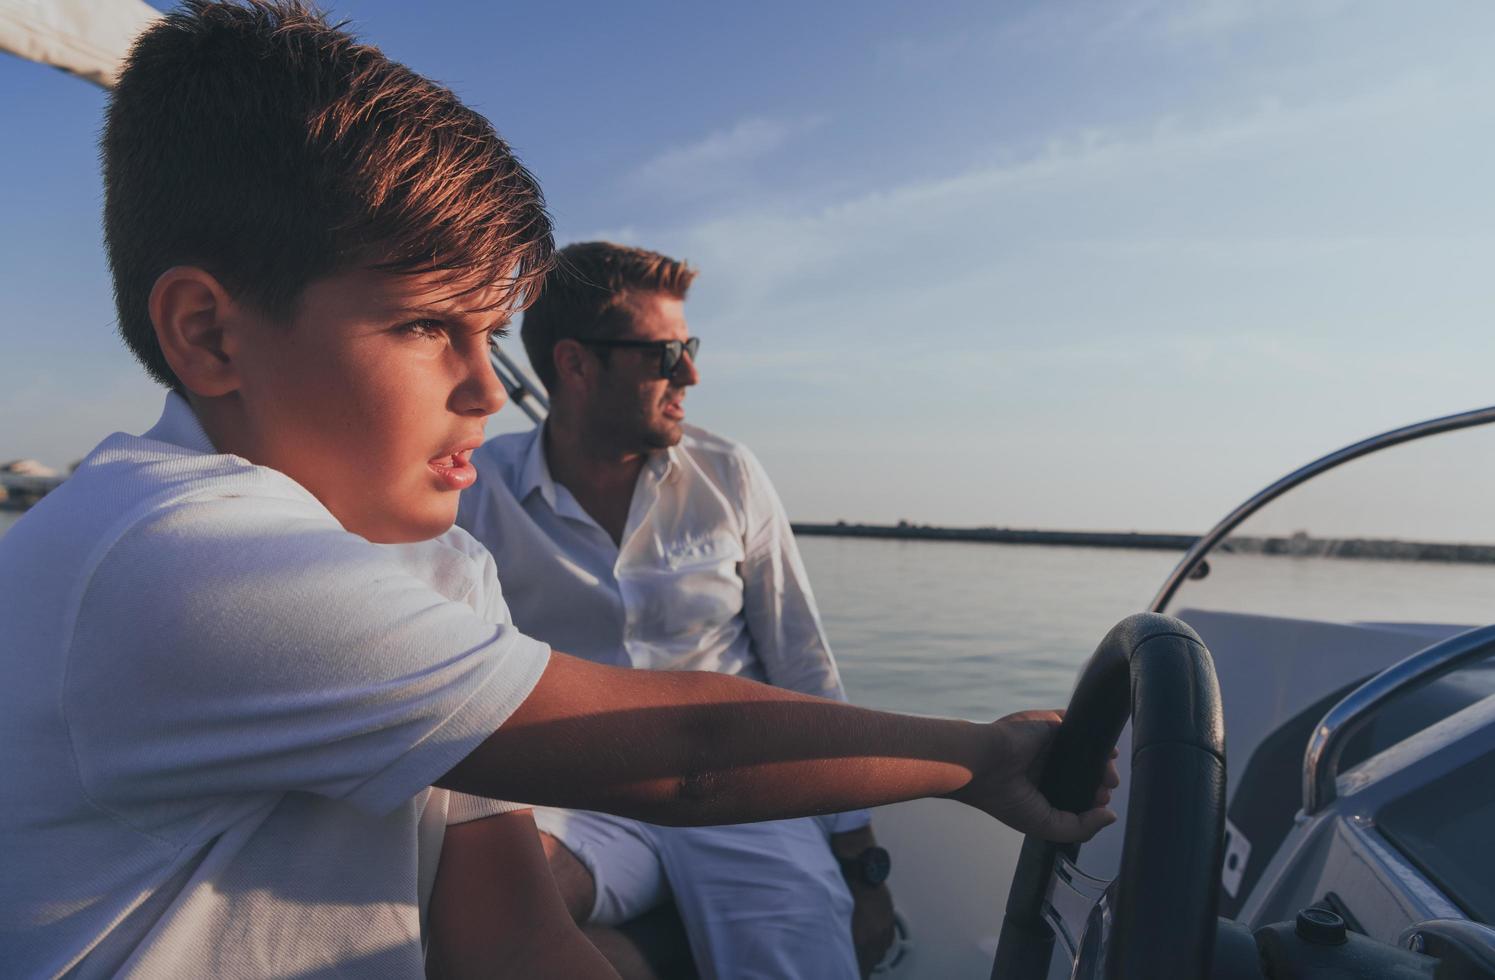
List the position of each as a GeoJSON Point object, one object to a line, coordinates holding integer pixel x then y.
{"type": "Point", "coordinates": [462, 808]}
{"type": "Point", "coordinates": [236, 647]}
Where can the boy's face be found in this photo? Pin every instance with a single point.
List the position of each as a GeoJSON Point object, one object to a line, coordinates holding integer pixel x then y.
{"type": "Point", "coordinates": [373, 398]}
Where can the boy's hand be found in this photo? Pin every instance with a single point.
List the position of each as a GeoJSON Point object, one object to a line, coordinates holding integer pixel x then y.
{"type": "Point", "coordinates": [1008, 788]}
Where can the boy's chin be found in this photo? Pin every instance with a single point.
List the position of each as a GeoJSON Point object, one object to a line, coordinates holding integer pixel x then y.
{"type": "Point", "coordinates": [410, 526]}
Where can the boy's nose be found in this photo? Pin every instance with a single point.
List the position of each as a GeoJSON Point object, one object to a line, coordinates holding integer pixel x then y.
{"type": "Point", "coordinates": [483, 393]}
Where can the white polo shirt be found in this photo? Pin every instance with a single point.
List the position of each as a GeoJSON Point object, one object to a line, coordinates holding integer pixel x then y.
{"type": "Point", "coordinates": [707, 576]}
{"type": "Point", "coordinates": [220, 716]}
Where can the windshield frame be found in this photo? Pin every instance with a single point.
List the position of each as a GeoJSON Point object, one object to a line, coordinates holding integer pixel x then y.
{"type": "Point", "coordinates": [1385, 440]}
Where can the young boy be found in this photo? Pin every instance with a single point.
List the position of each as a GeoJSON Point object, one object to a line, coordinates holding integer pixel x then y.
{"type": "Point", "coordinates": [245, 644]}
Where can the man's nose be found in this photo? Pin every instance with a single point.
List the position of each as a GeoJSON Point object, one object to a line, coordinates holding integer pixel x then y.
{"type": "Point", "coordinates": [685, 373]}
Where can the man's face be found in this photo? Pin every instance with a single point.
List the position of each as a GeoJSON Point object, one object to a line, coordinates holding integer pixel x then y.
{"type": "Point", "coordinates": [634, 406]}
{"type": "Point", "coordinates": [373, 398]}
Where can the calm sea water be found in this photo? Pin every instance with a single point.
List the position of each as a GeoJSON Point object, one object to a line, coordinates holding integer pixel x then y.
{"type": "Point", "coordinates": [976, 630]}
{"type": "Point", "coordinates": [970, 630]}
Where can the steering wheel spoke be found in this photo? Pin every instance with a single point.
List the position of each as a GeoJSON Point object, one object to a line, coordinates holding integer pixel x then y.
{"type": "Point", "coordinates": [1070, 900]}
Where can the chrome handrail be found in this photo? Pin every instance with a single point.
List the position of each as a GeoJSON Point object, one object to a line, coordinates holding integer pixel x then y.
{"type": "Point", "coordinates": [1407, 433]}
{"type": "Point", "coordinates": [1332, 734]}
{"type": "Point", "coordinates": [523, 392]}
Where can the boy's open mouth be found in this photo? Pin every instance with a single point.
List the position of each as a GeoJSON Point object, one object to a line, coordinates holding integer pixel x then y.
{"type": "Point", "coordinates": [455, 469]}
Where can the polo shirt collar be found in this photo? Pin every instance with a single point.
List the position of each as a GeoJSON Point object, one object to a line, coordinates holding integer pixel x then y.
{"type": "Point", "coordinates": [178, 426]}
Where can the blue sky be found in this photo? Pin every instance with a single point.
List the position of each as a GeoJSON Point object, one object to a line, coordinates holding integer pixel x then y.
{"type": "Point", "coordinates": [1071, 264]}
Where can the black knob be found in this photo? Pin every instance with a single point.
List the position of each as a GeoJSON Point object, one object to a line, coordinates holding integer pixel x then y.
{"type": "Point", "coordinates": [1321, 927]}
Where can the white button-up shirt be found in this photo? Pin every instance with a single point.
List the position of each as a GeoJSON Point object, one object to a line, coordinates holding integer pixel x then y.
{"type": "Point", "coordinates": [707, 575]}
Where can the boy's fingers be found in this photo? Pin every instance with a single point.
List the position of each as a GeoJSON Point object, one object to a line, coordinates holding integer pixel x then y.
{"type": "Point", "coordinates": [1075, 828]}
{"type": "Point", "coordinates": [1094, 821]}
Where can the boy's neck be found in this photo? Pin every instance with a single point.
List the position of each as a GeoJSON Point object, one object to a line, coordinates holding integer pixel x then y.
{"type": "Point", "coordinates": [222, 424]}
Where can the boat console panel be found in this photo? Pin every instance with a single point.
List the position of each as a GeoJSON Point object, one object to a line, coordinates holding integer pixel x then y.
{"type": "Point", "coordinates": [1443, 827]}
{"type": "Point", "coordinates": [1319, 945]}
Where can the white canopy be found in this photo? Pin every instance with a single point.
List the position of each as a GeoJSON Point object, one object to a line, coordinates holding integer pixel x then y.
{"type": "Point", "coordinates": [89, 38]}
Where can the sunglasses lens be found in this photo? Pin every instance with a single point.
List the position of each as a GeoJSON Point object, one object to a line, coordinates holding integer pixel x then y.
{"type": "Point", "coordinates": [673, 350]}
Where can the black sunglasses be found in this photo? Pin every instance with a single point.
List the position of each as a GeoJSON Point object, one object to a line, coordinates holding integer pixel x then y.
{"type": "Point", "coordinates": [670, 351]}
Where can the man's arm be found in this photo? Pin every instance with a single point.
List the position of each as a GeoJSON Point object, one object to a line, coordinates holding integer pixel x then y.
{"type": "Point", "coordinates": [695, 748]}
{"type": "Point", "coordinates": [779, 607]}
{"type": "Point", "coordinates": [777, 603]}
{"type": "Point", "coordinates": [495, 909]}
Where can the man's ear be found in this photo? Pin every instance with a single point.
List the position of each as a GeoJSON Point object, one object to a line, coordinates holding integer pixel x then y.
{"type": "Point", "coordinates": [574, 364]}
{"type": "Point", "coordinates": [193, 315]}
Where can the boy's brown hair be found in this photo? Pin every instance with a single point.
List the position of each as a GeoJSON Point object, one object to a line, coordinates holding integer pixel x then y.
{"type": "Point", "coordinates": [586, 296]}
{"type": "Point", "coordinates": [260, 143]}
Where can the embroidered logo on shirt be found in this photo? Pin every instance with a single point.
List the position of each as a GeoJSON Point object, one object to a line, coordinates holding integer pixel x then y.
{"type": "Point", "coordinates": [699, 548]}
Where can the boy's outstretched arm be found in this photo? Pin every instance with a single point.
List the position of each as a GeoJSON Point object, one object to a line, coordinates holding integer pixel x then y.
{"type": "Point", "coordinates": [701, 748]}
{"type": "Point", "coordinates": [495, 909]}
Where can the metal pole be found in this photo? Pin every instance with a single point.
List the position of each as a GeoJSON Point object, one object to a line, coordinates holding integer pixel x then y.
{"type": "Point", "coordinates": [523, 391]}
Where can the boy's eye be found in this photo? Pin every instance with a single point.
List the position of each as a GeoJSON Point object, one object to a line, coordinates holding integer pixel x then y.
{"type": "Point", "coordinates": [429, 329]}
{"type": "Point", "coordinates": [498, 332]}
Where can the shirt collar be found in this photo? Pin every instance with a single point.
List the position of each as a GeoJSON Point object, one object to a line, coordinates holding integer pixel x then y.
{"type": "Point", "coordinates": [534, 474]}
{"type": "Point", "coordinates": [179, 426]}
{"type": "Point", "coordinates": [665, 465]}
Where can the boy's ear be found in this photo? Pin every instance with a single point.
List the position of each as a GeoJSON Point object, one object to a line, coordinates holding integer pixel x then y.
{"type": "Point", "coordinates": [193, 315]}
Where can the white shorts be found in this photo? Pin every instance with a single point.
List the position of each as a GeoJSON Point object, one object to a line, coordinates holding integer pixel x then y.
{"type": "Point", "coordinates": [757, 900]}
{"type": "Point", "coordinates": [619, 853]}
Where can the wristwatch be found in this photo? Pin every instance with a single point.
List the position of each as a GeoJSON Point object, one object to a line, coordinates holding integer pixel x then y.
{"type": "Point", "coordinates": [870, 867]}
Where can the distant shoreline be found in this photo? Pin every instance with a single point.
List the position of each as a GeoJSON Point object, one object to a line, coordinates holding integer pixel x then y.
{"type": "Point", "coordinates": [19, 492]}
{"type": "Point", "coordinates": [1298, 545]}
{"type": "Point", "coordinates": [1294, 546]}
{"type": "Point", "coordinates": [1002, 535]}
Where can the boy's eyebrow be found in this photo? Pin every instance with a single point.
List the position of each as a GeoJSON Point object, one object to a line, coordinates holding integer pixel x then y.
{"type": "Point", "coordinates": [445, 313]}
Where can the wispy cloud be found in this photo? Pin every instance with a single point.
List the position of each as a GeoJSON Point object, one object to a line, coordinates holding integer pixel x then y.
{"type": "Point", "coordinates": [719, 163]}
{"type": "Point", "coordinates": [1286, 262]}
{"type": "Point", "coordinates": [1292, 264]}
{"type": "Point", "coordinates": [1216, 18]}
{"type": "Point", "coordinates": [1168, 188]}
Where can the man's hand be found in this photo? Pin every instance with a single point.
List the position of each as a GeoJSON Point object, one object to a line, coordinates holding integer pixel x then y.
{"type": "Point", "coordinates": [1008, 787]}
{"type": "Point", "coordinates": [872, 930]}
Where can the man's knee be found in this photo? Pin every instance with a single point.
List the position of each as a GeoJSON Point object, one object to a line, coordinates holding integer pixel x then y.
{"type": "Point", "coordinates": [577, 888]}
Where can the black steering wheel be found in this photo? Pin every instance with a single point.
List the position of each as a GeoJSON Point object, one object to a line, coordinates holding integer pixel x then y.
{"type": "Point", "coordinates": [1157, 919]}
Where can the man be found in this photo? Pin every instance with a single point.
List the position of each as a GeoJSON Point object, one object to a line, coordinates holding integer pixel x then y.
{"type": "Point", "coordinates": [627, 537]}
